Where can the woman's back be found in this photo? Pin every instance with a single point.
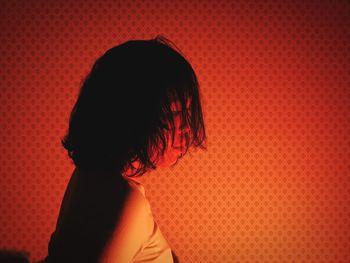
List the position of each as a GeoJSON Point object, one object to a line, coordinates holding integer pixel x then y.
{"type": "Point", "coordinates": [105, 218]}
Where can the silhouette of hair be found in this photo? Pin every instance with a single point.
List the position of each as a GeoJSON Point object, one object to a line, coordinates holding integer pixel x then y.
{"type": "Point", "coordinates": [123, 113]}
{"type": "Point", "coordinates": [12, 256]}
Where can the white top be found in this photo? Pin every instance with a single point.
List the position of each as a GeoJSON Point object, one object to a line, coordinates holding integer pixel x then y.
{"type": "Point", "coordinates": [106, 219]}
{"type": "Point", "coordinates": [156, 248]}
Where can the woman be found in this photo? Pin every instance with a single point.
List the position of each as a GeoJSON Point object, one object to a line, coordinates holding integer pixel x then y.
{"type": "Point", "coordinates": [138, 109]}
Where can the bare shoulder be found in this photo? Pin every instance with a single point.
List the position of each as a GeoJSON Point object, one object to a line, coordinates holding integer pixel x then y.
{"type": "Point", "coordinates": [132, 230]}
{"type": "Point", "coordinates": [135, 199]}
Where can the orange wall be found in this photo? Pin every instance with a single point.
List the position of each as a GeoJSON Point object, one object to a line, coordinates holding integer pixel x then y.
{"type": "Point", "coordinates": [273, 185]}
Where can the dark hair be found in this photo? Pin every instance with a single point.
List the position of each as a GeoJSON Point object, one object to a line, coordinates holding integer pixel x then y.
{"type": "Point", "coordinates": [123, 108]}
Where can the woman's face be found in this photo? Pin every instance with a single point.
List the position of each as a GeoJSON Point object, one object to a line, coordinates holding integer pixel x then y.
{"type": "Point", "coordinates": [175, 150]}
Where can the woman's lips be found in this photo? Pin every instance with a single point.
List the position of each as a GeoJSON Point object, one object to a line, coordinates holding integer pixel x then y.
{"type": "Point", "coordinates": [179, 149]}
{"type": "Point", "coordinates": [179, 152]}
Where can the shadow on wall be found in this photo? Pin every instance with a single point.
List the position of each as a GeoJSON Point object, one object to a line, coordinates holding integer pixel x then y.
{"type": "Point", "coordinates": [9, 256]}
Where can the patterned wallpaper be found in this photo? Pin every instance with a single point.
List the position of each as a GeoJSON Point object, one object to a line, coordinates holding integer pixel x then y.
{"type": "Point", "coordinates": [273, 185]}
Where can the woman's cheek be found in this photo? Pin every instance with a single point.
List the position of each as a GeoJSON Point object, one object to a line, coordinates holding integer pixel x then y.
{"type": "Point", "coordinates": [168, 159]}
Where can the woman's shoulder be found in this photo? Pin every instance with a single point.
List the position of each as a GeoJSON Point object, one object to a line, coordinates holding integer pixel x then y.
{"type": "Point", "coordinates": [136, 195]}
{"type": "Point", "coordinates": [105, 193]}
{"type": "Point", "coordinates": [135, 184]}
{"type": "Point", "coordinates": [133, 228]}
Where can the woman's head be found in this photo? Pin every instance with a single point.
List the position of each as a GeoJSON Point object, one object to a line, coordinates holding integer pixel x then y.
{"type": "Point", "coordinates": [125, 111]}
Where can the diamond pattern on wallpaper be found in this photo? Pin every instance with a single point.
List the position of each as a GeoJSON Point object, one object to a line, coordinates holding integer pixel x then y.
{"type": "Point", "coordinates": [273, 184]}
